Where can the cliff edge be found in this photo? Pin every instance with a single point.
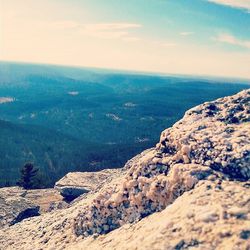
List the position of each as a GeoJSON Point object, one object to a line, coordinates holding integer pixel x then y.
{"type": "Point", "coordinates": [190, 191]}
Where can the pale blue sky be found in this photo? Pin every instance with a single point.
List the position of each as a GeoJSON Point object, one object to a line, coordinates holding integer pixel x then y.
{"type": "Point", "coordinates": [201, 37]}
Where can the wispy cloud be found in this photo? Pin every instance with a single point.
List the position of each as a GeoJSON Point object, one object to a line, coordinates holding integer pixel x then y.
{"type": "Point", "coordinates": [230, 39]}
{"type": "Point", "coordinates": [242, 4]}
{"type": "Point", "coordinates": [186, 33]}
{"type": "Point", "coordinates": [112, 30]}
{"type": "Point", "coordinates": [165, 44]}
{"type": "Point", "coordinates": [102, 30]}
{"type": "Point", "coordinates": [168, 44]}
{"type": "Point", "coordinates": [112, 26]}
{"type": "Point", "coordinates": [63, 24]}
{"type": "Point", "coordinates": [131, 39]}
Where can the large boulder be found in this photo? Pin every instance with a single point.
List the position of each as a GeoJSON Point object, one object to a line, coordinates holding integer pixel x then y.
{"type": "Point", "coordinates": [74, 184]}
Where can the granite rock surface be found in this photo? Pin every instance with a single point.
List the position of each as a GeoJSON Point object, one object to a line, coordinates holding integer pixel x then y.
{"type": "Point", "coordinates": [75, 184]}
{"type": "Point", "coordinates": [14, 207]}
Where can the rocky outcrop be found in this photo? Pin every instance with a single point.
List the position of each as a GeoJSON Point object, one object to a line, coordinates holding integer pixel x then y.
{"type": "Point", "coordinates": [17, 204]}
{"type": "Point", "coordinates": [213, 215]}
{"type": "Point", "coordinates": [75, 184]}
{"type": "Point", "coordinates": [14, 207]}
{"type": "Point", "coordinates": [212, 141]}
{"type": "Point", "coordinates": [214, 134]}
{"type": "Point", "coordinates": [196, 179]}
{"type": "Point", "coordinates": [47, 199]}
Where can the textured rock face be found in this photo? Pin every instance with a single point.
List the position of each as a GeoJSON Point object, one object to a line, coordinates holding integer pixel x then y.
{"type": "Point", "coordinates": [47, 199]}
{"type": "Point", "coordinates": [75, 184]}
{"type": "Point", "coordinates": [212, 139]}
{"type": "Point", "coordinates": [213, 215]}
{"type": "Point", "coordinates": [17, 204]}
{"type": "Point", "coordinates": [196, 178]}
{"type": "Point", "coordinates": [14, 207]}
{"type": "Point", "coordinates": [213, 134]}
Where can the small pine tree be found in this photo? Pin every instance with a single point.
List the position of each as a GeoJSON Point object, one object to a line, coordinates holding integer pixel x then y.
{"type": "Point", "coordinates": [28, 176]}
{"type": "Point", "coordinates": [7, 184]}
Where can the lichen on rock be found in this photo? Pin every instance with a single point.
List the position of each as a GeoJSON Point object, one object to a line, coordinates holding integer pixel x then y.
{"type": "Point", "coordinates": [214, 134]}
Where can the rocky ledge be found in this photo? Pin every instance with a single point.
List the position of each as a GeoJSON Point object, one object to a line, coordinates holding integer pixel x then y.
{"type": "Point", "coordinates": [75, 184]}
{"type": "Point", "coordinates": [14, 207]}
{"type": "Point", "coordinates": [17, 204]}
{"type": "Point", "coordinates": [196, 179]}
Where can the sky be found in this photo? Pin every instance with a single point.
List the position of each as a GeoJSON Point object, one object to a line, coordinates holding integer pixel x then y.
{"type": "Point", "coordinates": [194, 37]}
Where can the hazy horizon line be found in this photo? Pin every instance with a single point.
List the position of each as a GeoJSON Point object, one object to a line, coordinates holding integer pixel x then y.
{"type": "Point", "coordinates": [132, 71]}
